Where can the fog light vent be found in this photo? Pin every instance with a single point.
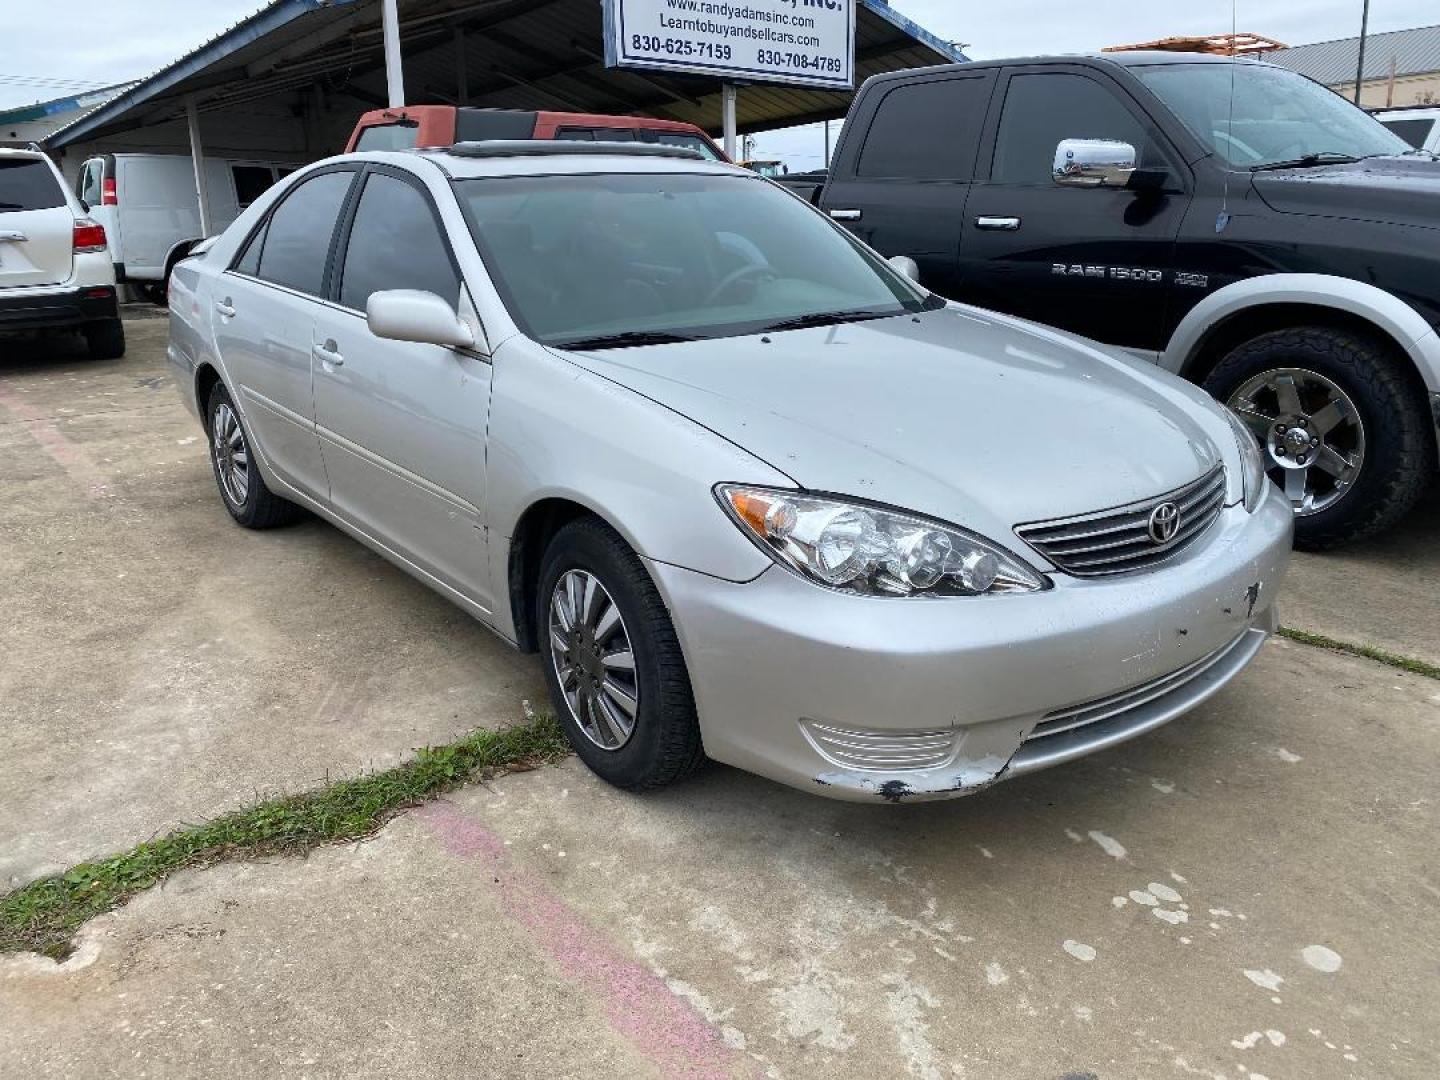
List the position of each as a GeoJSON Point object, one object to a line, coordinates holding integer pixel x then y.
{"type": "Point", "coordinates": [880, 751]}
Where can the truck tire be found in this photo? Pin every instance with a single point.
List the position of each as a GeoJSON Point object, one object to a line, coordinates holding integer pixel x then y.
{"type": "Point", "coordinates": [1344, 434]}
{"type": "Point", "coordinates": [106, 340]}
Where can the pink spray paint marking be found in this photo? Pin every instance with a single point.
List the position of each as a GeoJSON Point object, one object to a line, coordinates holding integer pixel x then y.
{"type": "Point", "coordinates": [76, 463]}
{"type": "Point", "coordinates": [678, 1040]}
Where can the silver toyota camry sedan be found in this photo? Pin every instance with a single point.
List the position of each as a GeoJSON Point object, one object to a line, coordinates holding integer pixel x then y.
{"type": "Point", "coordinates": [752, 493]}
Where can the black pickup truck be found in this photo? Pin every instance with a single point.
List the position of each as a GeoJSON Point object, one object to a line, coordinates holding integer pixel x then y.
{"type": "Point", "coordinates": [1230, 220]}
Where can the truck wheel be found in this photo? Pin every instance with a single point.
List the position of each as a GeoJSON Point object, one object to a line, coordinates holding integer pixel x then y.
{"type": "Point", "coordinates": [612, 661]}
{"type": "Point", "coordinates": [106, 340]}
{"type": "Point", "coordinates": [1344, 435]}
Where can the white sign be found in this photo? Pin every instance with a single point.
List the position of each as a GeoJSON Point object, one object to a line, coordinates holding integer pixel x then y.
{"type": "Point", "coordinates": [804, 42]}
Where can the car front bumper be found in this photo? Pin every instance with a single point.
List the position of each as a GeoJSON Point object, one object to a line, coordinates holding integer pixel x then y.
{"type": "Point", "coordinates": [865, 698]}
{"type": "Point", "coordinates": [22, 310]}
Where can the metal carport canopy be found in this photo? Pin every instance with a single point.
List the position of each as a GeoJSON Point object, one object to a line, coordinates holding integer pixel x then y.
{"type": "Point", "coordinates": [525, 54]}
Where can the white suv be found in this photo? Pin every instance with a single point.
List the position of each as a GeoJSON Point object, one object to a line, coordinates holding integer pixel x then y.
{"type": "Point", "coordinates": [55, 268]}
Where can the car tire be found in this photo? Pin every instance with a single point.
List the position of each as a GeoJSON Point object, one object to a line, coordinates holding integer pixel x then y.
{"type": "Point", "coordinates": [662, 744]}
{"type": "Point", "coordinates": [105, 340]}
{"type": "Point", "coordinates": [242, 489]}
{"type": "Point", "coordinates": [1396, 448]}
{"type": "Point", "coordinates": [156, 294]}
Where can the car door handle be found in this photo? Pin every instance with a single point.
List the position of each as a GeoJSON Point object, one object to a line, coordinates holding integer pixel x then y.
{"type": "Point", "coordinates": [14, 235]}
{"type": "Point", "coordinates": [224, 308]}
{"type": "Point", "coordinates": [846, 215]}
{"type": "Point", "coordinates": [1004, 224]}
{"type": "Point", "coordinates": [329, 353]}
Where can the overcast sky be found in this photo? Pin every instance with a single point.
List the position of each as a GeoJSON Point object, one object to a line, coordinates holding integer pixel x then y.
{"type": "Point", "coordinates": [124, 39]}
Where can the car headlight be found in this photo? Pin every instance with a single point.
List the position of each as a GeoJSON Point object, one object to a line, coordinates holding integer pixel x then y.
{"type": "Point", "coordinates": [1252, 461]}
{"type": "Point", "coordinates": [873, 552]}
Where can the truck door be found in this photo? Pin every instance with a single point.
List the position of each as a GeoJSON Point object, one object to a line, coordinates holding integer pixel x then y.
{"type": "Point", "coordinates": [1094, 261]}
{"type": "Point", "coordinates": [902, 186]}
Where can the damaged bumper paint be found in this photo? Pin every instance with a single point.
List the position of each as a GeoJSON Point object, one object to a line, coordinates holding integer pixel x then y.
{"type": "Point", "coordinates": [879, 699]}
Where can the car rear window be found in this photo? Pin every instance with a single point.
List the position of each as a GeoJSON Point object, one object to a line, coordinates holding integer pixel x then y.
{"type": "Point", "coordinates": [28, 184]}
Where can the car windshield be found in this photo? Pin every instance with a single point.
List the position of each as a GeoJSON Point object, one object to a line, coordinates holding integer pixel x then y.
{"type": "Point", "coordinates": [1272, 117]}
{"type": "Point", "coordinates": [635, 258]}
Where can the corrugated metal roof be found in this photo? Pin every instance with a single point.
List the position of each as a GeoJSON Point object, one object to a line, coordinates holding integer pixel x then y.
{"type": "Point", "coordinates": [534, 54]}
{"type": "Point", "coordinates": [1415, 52]}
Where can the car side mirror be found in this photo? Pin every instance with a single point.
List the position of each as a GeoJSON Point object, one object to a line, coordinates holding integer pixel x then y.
{"type": "Point", "coordinates": [417, 316]}
{"type": "Point", "coordinates": [1093, 163]}
{"type": "Point", "coordinates": [905, 267]}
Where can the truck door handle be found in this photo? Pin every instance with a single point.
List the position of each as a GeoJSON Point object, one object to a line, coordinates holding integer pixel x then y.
{"type": "Point", "coordinates": [224, 308]}
{"type": "Point", "coordinates": [329, 353]}
{"type": "Point", "coordinates": [1004, 224]}
{"type": "Point", "coordinates": [845, 215]}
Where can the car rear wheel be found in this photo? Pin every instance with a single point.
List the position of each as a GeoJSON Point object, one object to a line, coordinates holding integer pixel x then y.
{"type": "Point", "coordinates": [105, 340]}
{"type": "Point", "coordinates": [242, 488]}
{"type": "Point", "coordinates": [1343, 434]}
{"type": "Point", "coordinates": [613, 664]}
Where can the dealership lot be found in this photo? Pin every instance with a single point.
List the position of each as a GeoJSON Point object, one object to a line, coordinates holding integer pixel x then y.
{"type": "Point", "coordinates": [1176, 906]}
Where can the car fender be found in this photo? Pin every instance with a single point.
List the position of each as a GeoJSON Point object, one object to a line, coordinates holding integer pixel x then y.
{"type": "Point", "coordinates": [559, 431]}
{"type": "Point", "coordinates": [1385, 311]}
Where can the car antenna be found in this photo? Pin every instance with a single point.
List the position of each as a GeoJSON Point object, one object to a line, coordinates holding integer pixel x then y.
{"type": "Point", "coordinates": [1223, 217]}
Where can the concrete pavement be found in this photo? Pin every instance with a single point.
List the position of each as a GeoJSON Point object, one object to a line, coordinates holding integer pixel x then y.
{"type": "Point", "coordinates": [1250, 892]}
{"type": "Point", "coordinates": [161, 664]}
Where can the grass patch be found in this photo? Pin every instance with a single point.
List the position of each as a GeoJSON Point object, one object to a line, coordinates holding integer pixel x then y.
{"type": "Point", "coordinates": [1320, 641]}
{"type": "Point", "coordinates": [44, 915]}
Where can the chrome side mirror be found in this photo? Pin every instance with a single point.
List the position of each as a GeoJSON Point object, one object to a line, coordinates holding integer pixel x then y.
{"type": "Point", "coordinates": [414, 315]}
{"type": "Point", "coordinates": [1093, 163]}
{"type": "Point", "coordinates": [905, 267]}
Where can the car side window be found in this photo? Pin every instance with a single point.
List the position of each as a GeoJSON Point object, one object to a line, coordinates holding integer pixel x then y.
{"type": "Point", "coordinates": [297, 238]}
{"type": "Point", "coordinates": [926, 130]}
{"type": "Point", "coordinates": [395, 243]}
{"type": "Point", "coordinates": [1044, 108]}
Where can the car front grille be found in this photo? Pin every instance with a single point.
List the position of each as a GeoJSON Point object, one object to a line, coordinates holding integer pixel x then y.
{"type": "Point", "coordinates": [881, 751]}
{"type": "Point", "coordinates": [1099, 709]}
{"type": "Point", "coordinates": [1119, 540]}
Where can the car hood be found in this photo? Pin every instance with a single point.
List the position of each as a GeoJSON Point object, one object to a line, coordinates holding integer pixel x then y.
{"type": "Point", "coordinates": [1396, 190]}
{"type": "Point", "coordinates": [975, 419]}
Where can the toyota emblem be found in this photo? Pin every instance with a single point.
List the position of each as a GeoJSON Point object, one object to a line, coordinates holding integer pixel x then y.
{"type": "Point", "coordinates": [1164, 523]}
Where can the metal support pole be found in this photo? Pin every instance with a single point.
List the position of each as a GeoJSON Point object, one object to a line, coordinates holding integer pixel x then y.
{"type": "Point", "coordinates": [826, 163]}
{"type": "Point", "coordinates": [197, 159]}
{"type": "Point", "coordinates": [1360, 63]}
{"type": "Point", "coordinates": [462, 80]}
{"type": "Point", "coordinates": [394, 77]}
{"type": "Point", "coordinates": [728, 93]}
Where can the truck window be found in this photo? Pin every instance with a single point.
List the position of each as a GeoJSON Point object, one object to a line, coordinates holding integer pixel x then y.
{"type": "Point", "coordinates": [1414, 132]}
{"type": "Point", "coordinates": [90, 177]}
{"type": "Point", "coordinates": [926, 131]}
{"type": "Point", "coordinates": [1044, 108]}
{"type": "Point", "coordinates": [251, 181]}
{"type": "Point", "coordinates": [400, 136]}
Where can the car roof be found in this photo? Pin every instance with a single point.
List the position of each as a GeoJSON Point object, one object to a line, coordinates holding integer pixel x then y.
{"type": "Point", "coordinates": [579, 160]}
{"type": "Point", "coordinates": [20, 151]}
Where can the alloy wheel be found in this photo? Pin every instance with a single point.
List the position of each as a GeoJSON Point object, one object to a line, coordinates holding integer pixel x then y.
{"type": "Point", "coordinates": [1312, 434]}
{"type": "Point", "coordinates": [593, 659]}
{"type": "Point", "coordinates": [232, 455]}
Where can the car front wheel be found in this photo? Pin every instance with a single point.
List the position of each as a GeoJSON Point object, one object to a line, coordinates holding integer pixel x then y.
{"type": "Point", "coordinates": [1343, 434]}
{"type": "Point", "coordinates": [613, 663]}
